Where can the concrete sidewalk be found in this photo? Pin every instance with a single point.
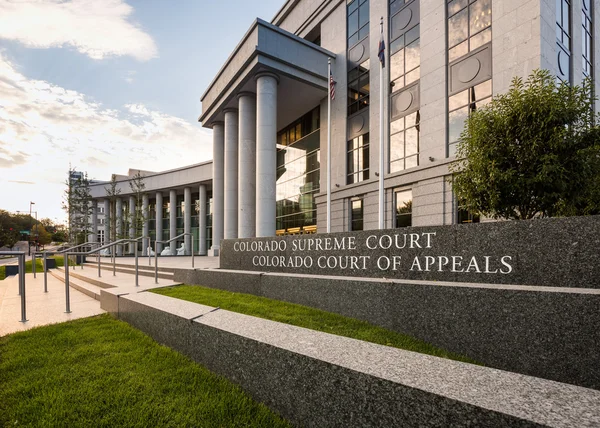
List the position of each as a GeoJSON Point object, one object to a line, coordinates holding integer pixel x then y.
{"type": "Point", "coordinates": [42, 308]}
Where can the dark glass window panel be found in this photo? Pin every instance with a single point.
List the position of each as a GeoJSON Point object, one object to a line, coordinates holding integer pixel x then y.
{"type": "Point", "coordinates": [412, 34]}
{"type": "Point", "coordinates": [458, 51]}
{"type": "Point", "coordinates": [353, 23]}
{"type": "Point", "coordinates": [365, 66]}
{"type": "Point", "coordinates": [353, 39]}
{"type": "Point", "coordinates": [403, 208]}
{"type": "Point", "coordinates": [363, 14]}
{"type": "Point", "coordinates": [465, 216]}
{"type": "Point", "coordinates": [413, 55]}
{"type": "Point", "coordinates": [352, 5]}
{"type": "Point", "coordinates": [363, 32]}
{"type": "Point", "coordinates": [456, 123]}
{"type": "Point", "coordinates": [456, 5]}
{"type": "Point", "coordinates": [364, 85]}
{"type": "Point", "coordinates": [356, 214]}
{"type": "Point", "coordinates": [565, 17]}
{"type": "Point", "coordinates": [481, 91]}
{"type": "Point", "coordinates": [481, 38]}
{"type": "Point", "coordinates": [397, 44]}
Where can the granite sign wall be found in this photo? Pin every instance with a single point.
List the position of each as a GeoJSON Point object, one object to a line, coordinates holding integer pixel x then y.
{"type": "Point", "coordinates": [552, 252]}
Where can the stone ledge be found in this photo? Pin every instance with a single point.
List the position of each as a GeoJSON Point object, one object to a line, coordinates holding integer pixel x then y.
{"type": "Point", "coordinates": [319, 379]}
{"type": "Point", "coordinates": [547, 332]}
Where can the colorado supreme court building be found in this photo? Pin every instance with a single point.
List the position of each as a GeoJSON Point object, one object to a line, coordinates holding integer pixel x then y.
{"type": "Point", "coordinates": [268, 105]}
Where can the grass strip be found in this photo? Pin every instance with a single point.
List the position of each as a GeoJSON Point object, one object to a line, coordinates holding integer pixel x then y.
{"type": "Point", "coordinates": [60, 262]}
{"type": "Point", "coordinates": [304, 316]}
{"type": "Point", "coordinates": [100, 372]}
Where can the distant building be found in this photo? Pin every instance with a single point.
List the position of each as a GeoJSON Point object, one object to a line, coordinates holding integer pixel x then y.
{"type": "Point", "coordinates": [267, 107]}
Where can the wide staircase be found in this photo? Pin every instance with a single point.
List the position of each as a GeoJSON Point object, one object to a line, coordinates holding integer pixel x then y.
{"type": "Point", "coordinates": [84, 278]}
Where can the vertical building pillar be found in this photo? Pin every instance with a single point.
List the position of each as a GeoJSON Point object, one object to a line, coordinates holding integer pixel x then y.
{"type": "Point", "coordinates": [146, 226]}
{"type": "Point", "coordinates": [159, 221]}
{"type": "Point", "coordinates": [218, 186]}
{"type": "Point", "coordinates": [247, 165]}
{"type": "Point", "coordinates": [266, 153]}
{"type": "Point", "coordinates": [187, 220]}
{"type": "Point", "coordinates": [107, 223]}
{"type": "Point", "coordinates": [173, 220]}
{"type": "Point", "coordinates": [132, 225]}
{"type": "Point", "coordinates": [94, 234]}
{"type": "Point", "coordinates": [119, 224]}
{"type": "Point", "coordinates": [202, 220]}
{"type": "Point", "coordinates": [231, 174]}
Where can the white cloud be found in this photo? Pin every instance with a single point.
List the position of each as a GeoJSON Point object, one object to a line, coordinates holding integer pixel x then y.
{"type": "Point", "coordinates": [97, 28]}
{"type": "Point", "coordinates": [44, 128]}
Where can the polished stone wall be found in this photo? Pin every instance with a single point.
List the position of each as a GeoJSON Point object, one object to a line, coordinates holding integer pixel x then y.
{"type": "Point", "coordinates": [557, 252]}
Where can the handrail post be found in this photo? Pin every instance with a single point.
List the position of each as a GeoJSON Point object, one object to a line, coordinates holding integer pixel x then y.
{"type": "Point", "coordinates": [45, 272]}
{"type": "Point", "coordinates": [149, 255]}
{"type": "Point", "coordinates": [33, 264]}
{"type": "Point", "coordinates": [135, 251]}
{"type": "Point", "coordinates": [99, 264]}
{"type": "Point", "coordinates": [22, 286]}
{"type": "Point", "coordinates": [156, 261]}
{"type": "Point", "coordinates": [114, 259]}
{"type": "Point", "coordinates": [67, 296]}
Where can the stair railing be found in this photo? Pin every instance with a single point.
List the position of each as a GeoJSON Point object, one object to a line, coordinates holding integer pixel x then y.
{"type": "Point", "coordinates": [21, 256]}
{"type": "Point", "coordinates": [166, 242]}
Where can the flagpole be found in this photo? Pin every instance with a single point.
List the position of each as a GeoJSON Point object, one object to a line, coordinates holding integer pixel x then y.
{"type": "Point", "coordinates": [381, 145]}
{"type": "Point", "coordinates": [329, 147]}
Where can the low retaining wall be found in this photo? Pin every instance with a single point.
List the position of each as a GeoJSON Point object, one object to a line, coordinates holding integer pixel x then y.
{"type": "Point", "coordinates": [318, 379]}
{"type": "Point", "coordinates": [546, 332]}
{"type": "Point", "coordinates": [556, 252]}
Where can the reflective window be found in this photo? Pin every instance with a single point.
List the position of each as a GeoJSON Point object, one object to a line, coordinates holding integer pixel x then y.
{"type": "Point", "coordinates": [298, 172]}
{"type": "Point", "coordinates": [403, 208]}
{"type": "Point", "coordinates": [405, 51]}
{"type": "Point", "coordinates": [563, 39]}
{"type": "Point", "coordinates": [358, 88]}
{"type": "Point", "coordinates": [460, 105]}
{"type": "Point", "coordinates": [358, 159]}
{"type": "Point", "coordinates": [586, 39]}
{"type": "Point", "coordinates": [469, 26]}
{"type": "Point", "coordinates": [404, 142]}
{"type": "Point", "coordinates": [358, 20]}
{"type": "Point", "coordinates": [356, 214]}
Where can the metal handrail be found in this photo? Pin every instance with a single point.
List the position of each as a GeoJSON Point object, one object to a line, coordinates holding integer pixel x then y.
{"type": "Point", "coordinates": [166, 242]}
{"type": "Point", "coordinates": [34, 267]}
{"type": "Point", "coordinates": [21, 255]}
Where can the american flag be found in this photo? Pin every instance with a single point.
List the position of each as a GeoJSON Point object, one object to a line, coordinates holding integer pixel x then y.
{"type": "Point", "coordinates": [331, 86]}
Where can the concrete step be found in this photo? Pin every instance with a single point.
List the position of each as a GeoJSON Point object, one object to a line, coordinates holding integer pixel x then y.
{"type": "Point", "coordinates": [81, 283]}
{"type": "Point", "coordinates": [129, 269]}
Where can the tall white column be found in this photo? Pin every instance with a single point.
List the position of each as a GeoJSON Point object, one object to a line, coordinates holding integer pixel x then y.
{"type": "Point", "coordinates": [247, 165]}
{"type": "Point", "coordinates": [119, 224]}
{"type": "Point", "coordinates": [218, 186]}
{"type": "Point", "coordinates": [159, 221]}
{"type": "Point", "coordinates": [266, 153]}
{"type": "Point", "coordinates": [94, 234]}
{"type": "Point", "coordinates": [107, 222]}
{"type": "Point", "coordinates": [132, 225]}
{"type": "Point", "coordinates": [231, 174]}
{"type": "Point", "coordinates": [202, 220]}
{"type": "Point", "coordinates": [146, 226]}
{"type": "Point", "coordinates": [173, 220]}
{"type": "Point", "coordinates": [187, 220]}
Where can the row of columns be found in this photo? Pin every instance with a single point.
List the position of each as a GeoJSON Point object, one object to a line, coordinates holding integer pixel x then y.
{"type": "Point", "coordinates": [244, 165]}
{"type": "Point", "coordinates": [187, 198]}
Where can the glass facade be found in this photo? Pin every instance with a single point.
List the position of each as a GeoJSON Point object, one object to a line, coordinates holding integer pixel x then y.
{"type": "Point", "coordinates": [460, 105]}
{"type": "Point", "coordinates": [358, 159]}
{"type": "Point", "coordinates": [469, 26]}
{"type": "Point", "coordinates": [586, 37]}
{"type": "Point", "coordinates": [358, 75]}
{"type": "Point", "coordinates": [403, 208]}
{"type": "Point", "coordinates": [298, 172]}
{"type": "Point", "coordinates": [563, 39]}
{"type": "Point", "coordinates": [405, 50]}
{"type": "Point", "coordinates": [356, 214]}
{"type": "Point", "coordinates": [404, 142]}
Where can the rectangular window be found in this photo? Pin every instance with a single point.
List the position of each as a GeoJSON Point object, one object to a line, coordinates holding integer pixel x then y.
{"type": "Point", "coordinates": [358, 88]}
{"type": "Point", "coordinates": [358, 159]}
{"type": "Point", "coordinates": [356, 214]}
{"type": "Point", "coordinates": [563, 39]}
{"type": "Point", "coordinates": [358, 20]}
{"type": "Point", "coordinates": [403, 206]}
{"type": "Point", "coordinates": [404, 142]}
{"type": "Point", "coordinates": [469, 26]}
{"type": "Point", "coordinates": [405, 50]}
{"type": "Point", "coordinates": [587, 46]}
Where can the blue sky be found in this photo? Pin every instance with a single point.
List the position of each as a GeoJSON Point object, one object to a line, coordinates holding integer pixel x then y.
{"type": "Point", "coordinates": [105, 86]}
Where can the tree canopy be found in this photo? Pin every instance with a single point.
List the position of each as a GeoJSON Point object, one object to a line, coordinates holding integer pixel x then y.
{"type": "Point", "coordinates": [532, 152]}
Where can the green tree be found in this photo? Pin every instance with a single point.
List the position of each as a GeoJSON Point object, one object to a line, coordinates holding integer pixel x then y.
{"type": "Point", "coordinates": [138, 217]}
{"type": "Point", "coordinates": [532, 152]}
{"type": "Point", "coordinates": [112, 193]}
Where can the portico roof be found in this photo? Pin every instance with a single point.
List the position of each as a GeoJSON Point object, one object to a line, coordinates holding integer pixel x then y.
{"type": "Point", "coordinates": [300, 65]}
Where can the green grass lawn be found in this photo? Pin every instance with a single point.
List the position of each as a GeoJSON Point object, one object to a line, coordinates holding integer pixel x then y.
{"type": "Point", "coordinates": [100, 372]}
{"type": "Point", "coordinates": [303, 316]}
{"type": "Point", "coordinates": [60, 262]}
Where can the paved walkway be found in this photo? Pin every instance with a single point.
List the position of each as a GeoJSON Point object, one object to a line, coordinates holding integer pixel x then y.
{"type": "Point", "coordinates": [42, 308]}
